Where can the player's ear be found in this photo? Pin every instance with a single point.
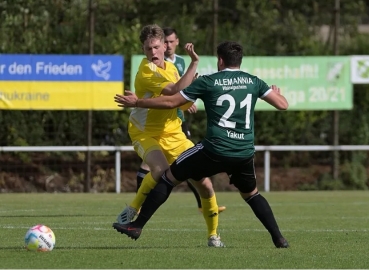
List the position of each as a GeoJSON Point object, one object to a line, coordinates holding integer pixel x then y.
{"type": "Point", "coordinates": [220, 61]}
{"type": "Point", "coordinates": [177, 41]}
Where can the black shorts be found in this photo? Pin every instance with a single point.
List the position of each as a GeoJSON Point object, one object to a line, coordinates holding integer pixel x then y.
{"type": "Point", "coordinates": [186, 130]}
{"type": "Point", "coordinates": [197, 163]}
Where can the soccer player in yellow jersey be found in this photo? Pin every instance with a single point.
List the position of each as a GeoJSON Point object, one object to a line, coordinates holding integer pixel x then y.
{"type": "Point", "coordinates": [156, 135]}
{"type": "Point", "coordinates": [171, 40]}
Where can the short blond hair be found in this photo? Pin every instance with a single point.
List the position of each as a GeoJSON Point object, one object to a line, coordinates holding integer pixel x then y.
{"type": "Point", "coordinates": [151, 31]}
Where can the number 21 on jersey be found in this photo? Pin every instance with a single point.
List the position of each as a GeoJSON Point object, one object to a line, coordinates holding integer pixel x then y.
{"type": "Point", "coordinates": [246, 103]}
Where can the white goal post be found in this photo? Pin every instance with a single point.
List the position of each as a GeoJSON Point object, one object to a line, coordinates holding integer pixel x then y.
{"type": "Point", "coordinates": [119, 149]}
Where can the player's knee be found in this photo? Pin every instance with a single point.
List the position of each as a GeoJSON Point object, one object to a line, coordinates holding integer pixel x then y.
{"type": "Point", "coordinates": [157, 163]}
{"type": "Point", "coordinates": [244, 186]}
{"type": "Point", "coordinates": [144, 166]}
{"type": "Point", "coordinates": [204, 188]}
{"type": "Point", "coordinates": [158, 171]}
{"type": "Point", "coordinates": [170, 177]}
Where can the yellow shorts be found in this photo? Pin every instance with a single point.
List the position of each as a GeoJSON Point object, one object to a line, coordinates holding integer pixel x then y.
{"type": "Point", "coordinates": [171, 144]}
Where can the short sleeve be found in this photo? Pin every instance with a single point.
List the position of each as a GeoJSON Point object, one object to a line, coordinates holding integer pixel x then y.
{"type": "Point", "coordinates": [195, 90]}
{"type": "Point", "coordinates": [263, 88]}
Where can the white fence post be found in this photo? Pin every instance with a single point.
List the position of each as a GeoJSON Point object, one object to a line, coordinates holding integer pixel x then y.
{"type": "Point", "coordinates": [267, 171]}
{"type": "Point", "coordinates": [117, 171]}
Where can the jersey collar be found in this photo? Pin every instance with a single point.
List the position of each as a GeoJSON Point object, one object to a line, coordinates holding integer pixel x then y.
{"type": "Point", "coordinates": [231, 69]}
{"type": "Point", "coordinates": [170, 60]}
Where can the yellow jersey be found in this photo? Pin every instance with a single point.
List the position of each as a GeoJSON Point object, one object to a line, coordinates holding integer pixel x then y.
{"type": "Point", "coordinates": [149, 82]}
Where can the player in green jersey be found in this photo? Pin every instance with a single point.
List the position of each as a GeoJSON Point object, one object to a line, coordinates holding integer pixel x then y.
{"type": "Point", "coordinates": [229, 98]}
{"type": "Point", "coordinates": [172, 41]}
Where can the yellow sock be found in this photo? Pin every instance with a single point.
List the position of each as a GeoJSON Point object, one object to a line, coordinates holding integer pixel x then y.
{"type": "Point", "coordinates": [210, 213]}
{"type": "Point", "coordinates": [148, 183]}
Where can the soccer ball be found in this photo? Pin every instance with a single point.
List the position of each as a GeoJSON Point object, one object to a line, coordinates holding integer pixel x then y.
{"type": "Point", "coordinates": [40, 238]}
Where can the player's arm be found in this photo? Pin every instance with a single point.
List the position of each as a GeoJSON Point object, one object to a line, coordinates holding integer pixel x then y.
{"type": "Point", "coordinates": [162, 102]}
{"type": "Point", "coordinates": [186, 79]}
{"type": "Point", "coordinates": [276, 99]}
{"type": "Point", "coordinates": [183, 99]}
{"type": "Point", "coordinates": [190, 106]}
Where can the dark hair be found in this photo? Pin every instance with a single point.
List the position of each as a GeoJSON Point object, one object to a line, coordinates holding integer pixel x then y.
{"type": "Point", "coordinates": [169, 30]}
{"type": "Point", "coordinates": [231, 52]}
{"type": "Point", "coordinates": [151, 31]}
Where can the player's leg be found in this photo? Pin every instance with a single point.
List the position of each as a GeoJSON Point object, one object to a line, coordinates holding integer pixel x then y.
{"type": "Point", "coordinates": [194, 164]}
{"type": "Point", "coordinates": [156, 197]}
{"type": "Point", "coordinates": [186, 131]}
{"type": "Point", "coordinates": [150, 151]}
{"type": "Point", "coordinates": [195, 193]}
{"type": "Point", "coordinates": [157, 163]}
{"type": "Point", "coordinates": [142, 171]}
{"type": "Point", "coordinates": [264, 213]}
{"type": "Point", "coordinates": [186, 166]}
{"type": "Point", "coordinates": [210, 209]}
{"type": "Point", "coordinates": [220, 208]}
{"type": "Point", "coordinates": [155, 152]}
{"type": "Point", "coordinates": [245, 181]}
{"type": "Point", "coordinates": [199, 165]}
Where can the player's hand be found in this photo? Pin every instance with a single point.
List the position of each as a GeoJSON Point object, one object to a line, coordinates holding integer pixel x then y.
{"type": "Point", "coordinates": [276, 89]}
{"type": "Point", "coordinates": [189, 47]}
{"type": "Point", "coordinates": [127, 100]}
{"type": "Point", "coordinates": [192, 109]}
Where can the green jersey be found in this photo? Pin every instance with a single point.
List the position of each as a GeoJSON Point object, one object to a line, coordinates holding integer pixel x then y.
{"type": "Point", "coordinates": [179, 62]}
{"type": "Point", "coordinates": [229, 98]}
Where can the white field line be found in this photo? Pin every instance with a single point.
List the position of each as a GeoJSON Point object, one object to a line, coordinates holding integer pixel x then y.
{"type": "Point", "coordinates": [18, 210]}
{"type": "Point", "coordinates": [186, 229]}
{"type": "Point", "coordinates": [4, 209]}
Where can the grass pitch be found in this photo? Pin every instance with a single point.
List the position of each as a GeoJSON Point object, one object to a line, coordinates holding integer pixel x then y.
{"type": "Point", "coordinates": [324, 229]}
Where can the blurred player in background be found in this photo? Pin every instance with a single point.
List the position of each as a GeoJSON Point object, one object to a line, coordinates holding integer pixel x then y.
{"type": "Point", "coordinates": [172, 41]}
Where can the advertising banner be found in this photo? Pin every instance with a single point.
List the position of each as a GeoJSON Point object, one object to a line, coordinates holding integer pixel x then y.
{"type": "Point", "coordinates": [360, 69]}
{"type": "Point", "coordinates": [60, 82]}
{"type": "Point", "coordinates": [308, 83]}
